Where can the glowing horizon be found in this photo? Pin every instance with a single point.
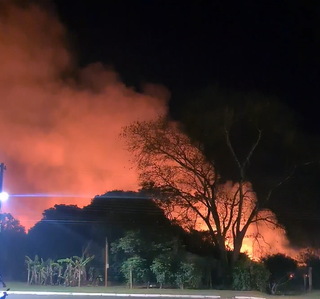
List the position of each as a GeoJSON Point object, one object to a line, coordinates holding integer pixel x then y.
{"type": "Point", "coordinates": [60, 135]}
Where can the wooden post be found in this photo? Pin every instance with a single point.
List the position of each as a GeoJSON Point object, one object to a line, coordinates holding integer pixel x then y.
{"type": "Point", "coordinates": [2, 169]}
{"type": "Point", "coordinates": [305, 282]}
{"type": "Point", "coordinates": [130, 278]}
{"type": "Point", "coordinates": [310, 279]}
{"type": "Point", "coordinates": [106, 263]}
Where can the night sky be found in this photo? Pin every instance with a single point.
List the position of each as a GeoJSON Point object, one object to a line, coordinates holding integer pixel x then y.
{"type": "Point", "coordinates": [270, 47]}
{"type": "Point", "coordinates": [66, 112]}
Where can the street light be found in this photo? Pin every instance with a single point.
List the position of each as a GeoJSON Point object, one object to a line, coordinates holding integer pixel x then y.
{"type": "Point", "coordinates": [4, 196]}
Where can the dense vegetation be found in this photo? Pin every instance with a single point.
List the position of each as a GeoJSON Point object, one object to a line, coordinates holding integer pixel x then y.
{"type": "Point", "coordinates": [226, 165]}
{"type": "Point", "coordinates": [148, 252]}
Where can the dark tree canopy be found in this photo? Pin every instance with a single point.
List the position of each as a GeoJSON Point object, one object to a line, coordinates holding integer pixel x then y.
{"type": "Point", "coordinates": [12, 248]}
{"type": "Point", "coordinates": [60, 233]}
{"type": "Point", "coordinates": [251, 122]}
{"type": "Point", "coordinates": [224, 163]}
{"type": "Point", "coordinates": [298, 206]}
{"type": "Point", "coordinates": [285, 152]}
{"type": "Point", "coordinates": [282, 269]}
{"type": "Point", "coordinates": [119, 211]}
{"type": "Point", "coordinates": [65, 229]}
{"type": "Point", "coordinates": [280, 266]}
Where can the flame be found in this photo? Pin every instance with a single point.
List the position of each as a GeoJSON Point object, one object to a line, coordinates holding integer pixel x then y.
{"type": "Point", "coordinates": [265, 237]}
{"type": "Point", "coordinates": [59, 132]}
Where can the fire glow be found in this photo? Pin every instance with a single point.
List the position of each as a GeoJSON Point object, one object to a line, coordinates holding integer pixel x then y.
{"type": "Point", "coordinates": [62, 135]}
{"type": "Point", "coordinates": [262, 238]}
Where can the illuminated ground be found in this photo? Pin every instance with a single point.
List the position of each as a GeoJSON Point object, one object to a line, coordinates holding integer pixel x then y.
{"type": "Point", "coordinates": [224, 295]}
{"type": "Point", "coordinates": [121, 290]}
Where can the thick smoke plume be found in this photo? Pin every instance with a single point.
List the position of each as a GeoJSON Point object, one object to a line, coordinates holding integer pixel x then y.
{"type": "Point", "coordinates": [59, 133]}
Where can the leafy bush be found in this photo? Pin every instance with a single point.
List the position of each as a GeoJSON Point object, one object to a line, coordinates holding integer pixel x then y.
{"type": "Point", "coordinates": [137, 267]}
{"type": "Point", "coordinates": [162, 268]}
{"type": "Point", "coordinates": [282, 269]}
{"type": "Point", "coordinates": [70, 272]}
{"type": "Point", "coordinates": [241, 277]}
{"type": "Point", "coordinates": [249, 275]}
{"type": "Point", "coordinates": [259, 277]}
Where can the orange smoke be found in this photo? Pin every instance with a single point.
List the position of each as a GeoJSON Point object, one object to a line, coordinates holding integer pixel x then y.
{"type": "Point", "coordinates": [262, 238]}
{"type": "Point", "coordinates": [58, 134]}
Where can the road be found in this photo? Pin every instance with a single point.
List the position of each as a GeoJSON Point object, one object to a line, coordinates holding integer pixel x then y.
{"type": "Point", "coordinates": [13, 296]}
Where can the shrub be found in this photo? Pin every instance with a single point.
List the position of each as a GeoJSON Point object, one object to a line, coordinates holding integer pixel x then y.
{"type": "Point", "coordinates": [249, 275]}
{"type": "Point", "coordinates": [281, 268]}
{"type": "Point", "coordinates": [161, 268]}
{"type": "Point", "coordinates": [135, 266]}
{"type": "Point", "coordinates": [188, 275]}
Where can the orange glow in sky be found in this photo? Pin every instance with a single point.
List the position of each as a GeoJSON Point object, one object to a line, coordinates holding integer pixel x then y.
{"type": "Point", "coordinates": [60, 136]}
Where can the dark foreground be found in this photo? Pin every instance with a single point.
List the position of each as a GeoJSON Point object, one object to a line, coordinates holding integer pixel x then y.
{"type": "Point", "coordinates": [222, 294]}
{"type": "Point", "coordinates": [114, 292]}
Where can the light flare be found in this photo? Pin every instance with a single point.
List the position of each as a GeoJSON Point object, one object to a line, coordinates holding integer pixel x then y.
{"type": "Point", "coordinates": [4, 196]}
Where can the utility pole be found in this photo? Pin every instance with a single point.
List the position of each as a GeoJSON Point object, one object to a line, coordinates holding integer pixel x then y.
{"type": "Point", "coordinates": [106, 263]}
{"type": "Point", "coordinates": [2, 169]}
{"type": "Point", "coordinates": [310, 279]}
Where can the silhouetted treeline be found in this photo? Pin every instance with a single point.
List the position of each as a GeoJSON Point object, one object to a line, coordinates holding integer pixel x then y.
{"type": "Point", "coordinates": [65, 229]}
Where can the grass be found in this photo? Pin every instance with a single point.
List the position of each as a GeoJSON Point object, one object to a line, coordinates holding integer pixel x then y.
{"type": "Point", "coordinates": [15, 286]}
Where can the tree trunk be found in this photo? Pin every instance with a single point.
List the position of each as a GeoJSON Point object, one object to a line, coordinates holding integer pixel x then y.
{"type": "Point", "coordinates": [35, 277]}
{"type": "Point", "coordinates": [84, 274]}
{"type": "Point", "coordinates": [274, 288]}
{"type": "Point", "coordinates": [79, 278]}
{"type": "Point", "coordinates": [130, 278]}
{"type": "Point", "coordinates": [51, 277]}
{"type": "Point", "coordinates": [40, 276]}
{"type": "Point", "coordinates": [236, 250]}
{"type": "Point", "coordinates": [226, 278]}
{"type": "Point", "coordinates": [28, 275]}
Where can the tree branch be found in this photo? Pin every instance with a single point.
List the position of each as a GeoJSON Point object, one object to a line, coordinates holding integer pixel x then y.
{"type": "Point", "coordinates": [280, 183]}
{"type": "Point", "coordinates": [253, 148]}
{"type": "Point", "coordinates": [231, 149]}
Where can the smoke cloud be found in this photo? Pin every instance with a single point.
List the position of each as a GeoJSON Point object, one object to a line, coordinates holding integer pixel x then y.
{"type": "Point", "coordinates": [59, 133]}
{"type": "Point", "coordinates": [267, 239]}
